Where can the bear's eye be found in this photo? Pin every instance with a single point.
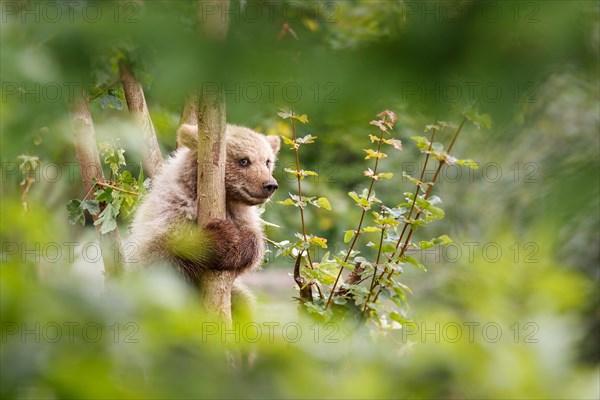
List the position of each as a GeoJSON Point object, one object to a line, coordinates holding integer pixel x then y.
{"type": "Point", "coordinates": [244, 162]}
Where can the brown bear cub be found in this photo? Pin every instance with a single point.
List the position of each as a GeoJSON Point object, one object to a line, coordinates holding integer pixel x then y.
{"type": "Point", "coordinates": [164, 228]}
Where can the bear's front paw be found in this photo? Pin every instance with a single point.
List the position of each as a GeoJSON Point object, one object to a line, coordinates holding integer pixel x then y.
{"type": "Point", "coordinates": [225, 238]}
{"type": "Point", "coordinates": [223, 231]}
{"type": "Point", "coordinates": [234, 248]}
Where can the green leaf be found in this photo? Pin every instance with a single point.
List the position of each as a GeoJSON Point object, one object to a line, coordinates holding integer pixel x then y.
{"type": "Point", "coordinates": [468, 163]}
{"type": "Point", "coordinates": [374, 154]}
{"type": "Point", "coordinates": [398, 318]}
{"type": "Point", "coordinates": [289, 142]}
{"type": "Point", "coordinates": [410, 178]}
{"type": "Point", "coordinates": [127, 179]}
{"type": "Point", "coordinates": [385, 248]}
{"type": "Point", "coordinates": [388, 222]}
{"type": "Point", "coordinates": [431, 127]}
{"type": "Point", "coordinates": [477, 119]}
{"type": "Point", "coordinates": [300, 174]}
{"type": "Point", "coordinates": [290, 114]}
{"type": "Point", "coordinates": [75, 212]}
{"type": "Point", "coordinates": [354, 197]}
{"type": "Point", "coordinates": [322, 276]}
{"type": "Point", "coordinates": [348, 235]}
{"type": "Point", "coordinates": [436, 211]}
{"type": "Point", "coordinates": [340, 261]}
{"type": "Point", "coordinates": [129, 200]}
{"type": "Point", "coordinates": [108, 101]}
{"type": "Point", "coordinates": [313, 308]}
{"type": "Point", "coordinates": [384, 175]}
{"type": "Point", "coordinates": [422, 142]}
{"type": "Point", "coordinates": [285, 114]}
{"type": "Point", "coordinates": [324, 203]}
{"type": "Point", "coordinates": [414, 262]}
{"type": "Point", "coordinates": [302, 118]}
{"type": "Point", "coordinates": [319, 241]}
{"type": "Point", "coordinates": [114, 158]}
{"type": "Point", "coordinates": [362, 200]}
{"type": "Point", "coordinates": [443, 240]}
{"type": "Point", "coordinates": [400, 293]}
{"type": "Point", "coordinates": [287, 202]}
{"type": "Point", "coordinates": [107, 219]}
{"type": "Point", "coordinates": [339, 300]}
{"type": "Point", "coordinates": [306, 139]}
{"type": "Point", "coordinates": [104, 194]}
{"type": "Point", "coordinates": [439, 241]}
{"type": "Point", "coordinates": [371, 229]}
{"type": "Point", "coordinates": [92, 206]}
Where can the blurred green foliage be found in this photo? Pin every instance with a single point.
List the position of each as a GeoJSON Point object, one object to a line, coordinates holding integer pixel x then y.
{"type": "Point", "coordinates": [526, 224]}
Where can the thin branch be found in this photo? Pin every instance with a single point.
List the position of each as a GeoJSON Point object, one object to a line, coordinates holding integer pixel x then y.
{"type": "Point", "coordinates": [298, 178]}
{"type": "Point", "coordinates": [412, 206]}
{"type": "Point", "coordinates": [274, 243]}
{"type": "Point", "coordinates": [375, 269]}
{"type": "Point", "coordinates": [301, 208]}
{"type": "Point", "coordinates": [88, 192]}
{"type": "Point", "coordinates": [104, 184]}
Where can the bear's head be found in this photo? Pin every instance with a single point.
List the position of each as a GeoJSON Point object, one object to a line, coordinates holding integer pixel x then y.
{"type": "Point", "coordinates": [250, 161]}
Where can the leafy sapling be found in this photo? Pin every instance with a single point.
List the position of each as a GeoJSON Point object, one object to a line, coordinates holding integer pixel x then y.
{"type": "Point", "coordinates": [372, 290]}
{"type": "Point", "coordinates": [300, 249]}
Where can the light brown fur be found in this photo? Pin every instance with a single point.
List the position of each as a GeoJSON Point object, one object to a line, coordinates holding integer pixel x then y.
{"type": "Point", "coordinates": [164, 229]}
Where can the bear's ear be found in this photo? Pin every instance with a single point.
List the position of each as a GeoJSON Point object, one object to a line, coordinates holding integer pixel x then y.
{"type": "Point", "coordinates": [187, 136]}
{"type": "Point", "coordinates": [275, 143]}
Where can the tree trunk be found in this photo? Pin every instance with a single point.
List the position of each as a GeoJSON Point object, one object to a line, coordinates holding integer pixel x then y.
{"type": "Point", "coordinates": [215, 285]}
{"type": "Point", "coordinates": [91, 171]}
{"type": "Point", "coordinates": [136, 103]}
{"type": "Point", "coordinates": [209, 107]}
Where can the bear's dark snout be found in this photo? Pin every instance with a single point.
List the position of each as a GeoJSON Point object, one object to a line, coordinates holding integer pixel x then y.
{"type": "Point", "coordinates": [270, 186]}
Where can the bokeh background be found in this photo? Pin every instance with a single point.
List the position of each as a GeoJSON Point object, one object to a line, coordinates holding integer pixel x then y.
{"type": "Point", "coordinates": [511, 310]}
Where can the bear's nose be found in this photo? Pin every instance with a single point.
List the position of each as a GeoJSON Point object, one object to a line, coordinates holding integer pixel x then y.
{"type": "Point", "coordinates": [270, 186]}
